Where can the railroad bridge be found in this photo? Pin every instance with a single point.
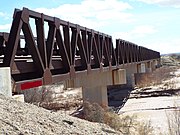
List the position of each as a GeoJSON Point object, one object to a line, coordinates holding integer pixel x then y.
{"type": "Point", "coordinates": [54, 50]}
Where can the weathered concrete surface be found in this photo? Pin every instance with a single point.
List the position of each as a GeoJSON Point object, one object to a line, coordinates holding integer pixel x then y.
{"type": "Point", "coordinates": [5, 81]}
{"type": "Point", "coordinates": [131, 68]}
{"type": "Point", "coordinates": [143, 67]}
{"type": "Point", "coordinates": [94, 86]}
{"type": "Point", "coordinates": [119, 76]}
{"type": "Point", "coordinates": [19, 97]}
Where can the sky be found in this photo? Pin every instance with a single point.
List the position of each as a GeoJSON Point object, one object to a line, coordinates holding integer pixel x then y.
{"type": "Point", "coordinates": [154, 24]}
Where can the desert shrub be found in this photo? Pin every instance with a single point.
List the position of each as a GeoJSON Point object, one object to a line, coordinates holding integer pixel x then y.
{"type": "Point", "coordinates": [93, 112]}
{"type": "Point", "coordinates": [145, 128]}
{"type": "Point", "coordinates": [169, 85]}
{"type": "Point", "coordinates": [155, 78]}
{"type": "Point", "coordinates": [174, 122]}
{"type": "Point", "coordinates": [175, 56]}
{"type": "Point", "coordinates": [124, 124]}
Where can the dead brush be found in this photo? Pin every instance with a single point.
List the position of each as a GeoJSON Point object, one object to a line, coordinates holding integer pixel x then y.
{"type": "Point", "coordinates": [93, 112]}
{"type": "Point", "coordinates": [144, 128]}
{"type": "Point", "coordinates": [170, 85]}
{"type": "Point", "coordinates": [124, 124]}
{"type": "Point", "coordinates": [155, 78]}
{"type": "Point", "coordinates": [173, 120]}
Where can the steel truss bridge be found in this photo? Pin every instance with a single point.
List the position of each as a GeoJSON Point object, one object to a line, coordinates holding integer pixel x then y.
{"type": "Point", "coordinates": [66, 50]}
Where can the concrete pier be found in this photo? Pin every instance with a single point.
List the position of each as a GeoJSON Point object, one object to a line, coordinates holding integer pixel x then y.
{"type": "Point", "coordinates": [5, 81]}
{"type": "Point", "coordinates": [94, 85]}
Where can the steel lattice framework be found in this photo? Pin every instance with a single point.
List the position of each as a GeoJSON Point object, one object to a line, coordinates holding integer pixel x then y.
{"type": "Point", "coordinates": [67, 50]}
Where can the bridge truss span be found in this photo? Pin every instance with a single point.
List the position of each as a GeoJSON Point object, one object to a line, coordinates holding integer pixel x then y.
{"type": "Point", "coordinates": [53, 50]}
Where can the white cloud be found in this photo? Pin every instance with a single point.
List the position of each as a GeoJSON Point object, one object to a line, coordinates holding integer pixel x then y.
{"type": "Point", "coordinates": [92, 13]}
{"type": "Point", "coordinates": [173, 3]}
{"type": "Point", "coordinates": [166, 46]}
{"type": "Point", "coordinates": [5, 27]}
{"type": "Point", "coordinates": [137, 32]}
{"type": "Point", "coordinates": [5, 16]}
{"type": "Point", "coordinates": [2, 14]}
{"type": "Point", "coordinates": [162, 45]}
{"type": "Point", "coordinates": [144, 30]}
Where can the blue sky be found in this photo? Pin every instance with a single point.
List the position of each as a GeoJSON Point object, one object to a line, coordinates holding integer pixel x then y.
{"type": "Point", "coordinates": [154, 24]}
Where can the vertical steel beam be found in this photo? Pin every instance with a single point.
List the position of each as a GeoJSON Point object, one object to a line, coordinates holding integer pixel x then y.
{"type": "Point", "coordinates": [50, 43]}
{"type": "Point", "coordinates": [82, 51]}
{"type": "Point", "coordinates": [41, 43]}
{"type": "Point", "coordinates": [95, 51]}
{"type": "Point", "coordinates": [62, 48]}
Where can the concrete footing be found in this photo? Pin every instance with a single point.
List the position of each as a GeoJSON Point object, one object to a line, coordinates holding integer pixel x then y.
{"type": "Point", "coordinates": [5, 81]}
{"type": "Point", "coordinates": [19, 97]}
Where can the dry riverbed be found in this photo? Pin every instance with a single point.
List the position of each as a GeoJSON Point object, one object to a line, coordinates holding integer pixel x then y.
{"type": "Point", "coordinates": [155, 104]}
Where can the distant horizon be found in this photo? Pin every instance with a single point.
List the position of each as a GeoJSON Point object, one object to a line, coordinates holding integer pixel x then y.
{"type": "Point", "coordinates": [178, 53]}
{"type": "Point", "coordinates": [148, 23]}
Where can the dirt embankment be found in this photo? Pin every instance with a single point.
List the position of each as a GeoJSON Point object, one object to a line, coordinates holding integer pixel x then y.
{"type": "Point", "coordinates": [17, 118]}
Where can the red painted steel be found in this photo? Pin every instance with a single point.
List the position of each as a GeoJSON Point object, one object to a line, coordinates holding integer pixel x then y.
{"type": "Point", "coordinates": [28, 85]}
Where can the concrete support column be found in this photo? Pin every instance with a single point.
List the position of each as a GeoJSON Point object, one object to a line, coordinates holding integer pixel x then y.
{"type": "Point", "coordinates": [130, 70]}
{"type": "Point", "coordinates": [138, 68]}
{"type": "Point", "coordinates": [148, 67]}
{"type": "Point", "coordinates": [94, 86]}
{"type": "Point", "coordinates": [96, 94]}
{"type": "Point", "coordinates": [158, 64]}
{"type": "Point", "coordinates": [5, 81]}
{"type": "Point", "coordinates": [143, 68]}
{"type": "Point", "coordinates": [153, 65]}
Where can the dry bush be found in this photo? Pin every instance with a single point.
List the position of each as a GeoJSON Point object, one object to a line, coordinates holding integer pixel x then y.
{"type": "Point", "coordinates": [93, 112]}
{"type": "Point", "coordinates": [174, 122]}
{"type": "Point", "coordinates": [57, 105]}
{"type": "Point", "coordinates": [124, 124]}
{"type": "Point", "coordinates": [170, 85]}
{"type": "Point", "coordinates": [154, 78]}
{"type": "Point", "coordinates": [145, 128]}
{"type": "Point", "coordinates": [176, 57]}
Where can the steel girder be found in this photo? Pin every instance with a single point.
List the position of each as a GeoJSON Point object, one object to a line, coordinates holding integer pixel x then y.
{"type": "Point", "coordinates": [127, 52]}
{"type": "Point", "coordinates": [67, 50]}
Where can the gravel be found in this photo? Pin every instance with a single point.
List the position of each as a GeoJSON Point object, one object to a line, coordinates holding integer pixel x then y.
{"type": "Point", "coordinates": [17, 118]}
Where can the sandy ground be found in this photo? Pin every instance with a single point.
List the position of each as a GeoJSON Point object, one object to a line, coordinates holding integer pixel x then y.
{"type": "Point", "coordinates": [155, 109]}
{"type": "Point", "coordinates": [18, 118]}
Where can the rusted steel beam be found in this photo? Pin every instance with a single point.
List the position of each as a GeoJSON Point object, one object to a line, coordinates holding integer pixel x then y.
{"type": "Point", "coordinates": [129, 52]}
{"type": "Point", "coordinates": [67, 51]}
{"type": "Point", "coordinates": [65, 39]}
{"type": "Point", "coordinates": [12, 44]}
